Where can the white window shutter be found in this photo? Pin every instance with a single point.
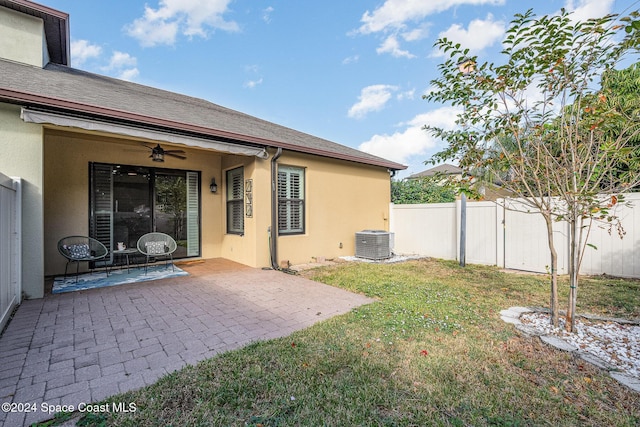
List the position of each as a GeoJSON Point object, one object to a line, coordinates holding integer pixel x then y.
{"type": "Point", "coordinates": [193, 220]}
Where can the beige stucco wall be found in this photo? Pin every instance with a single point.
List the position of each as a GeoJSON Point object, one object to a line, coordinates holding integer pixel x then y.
{"type": "Point", "coordinates": [66, 176]}
{"type": "Point", "coordinates": [21, 37]}
{"type": "Point", "coordinates": [252, 247]}
{"type": "Point", "coordinates": [342, 198]}
{"type": "Point", "coordinates": [21, 155]}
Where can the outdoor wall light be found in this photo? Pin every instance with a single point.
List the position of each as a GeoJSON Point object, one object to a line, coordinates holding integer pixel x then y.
{"type": "Point", "coordinates": [213, 187]}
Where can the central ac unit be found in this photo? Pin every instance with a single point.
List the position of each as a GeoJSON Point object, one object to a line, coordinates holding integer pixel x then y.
{"type": "Point", "coordinates": [374, 244]}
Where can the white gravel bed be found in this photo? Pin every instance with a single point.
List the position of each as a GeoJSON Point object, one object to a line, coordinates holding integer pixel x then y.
{"type": "Point", "coordinates": [615, 343]}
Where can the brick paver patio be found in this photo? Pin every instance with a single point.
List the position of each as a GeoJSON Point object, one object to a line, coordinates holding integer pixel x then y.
{"type": "Point", "coordinates": [81, 347]}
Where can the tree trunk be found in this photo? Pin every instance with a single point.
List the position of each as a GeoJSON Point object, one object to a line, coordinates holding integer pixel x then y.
{"type": "Point", "coordinates": [553, 303]}
{"type": "Point", "coordinates": [574, 261]}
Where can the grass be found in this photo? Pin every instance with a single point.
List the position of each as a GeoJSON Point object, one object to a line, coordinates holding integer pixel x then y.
{"type": "Point", "coordinates": [431, 351]}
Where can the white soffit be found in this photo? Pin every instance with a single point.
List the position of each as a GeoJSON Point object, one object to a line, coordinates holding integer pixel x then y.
{"type": "Point", "coordinates": [30, 116]}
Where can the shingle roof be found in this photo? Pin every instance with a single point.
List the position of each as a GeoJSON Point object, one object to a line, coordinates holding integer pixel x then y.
{"type": "Point", "coordinates": [445, 169]}
{"type": "Point", "coordinates": [61, 88]}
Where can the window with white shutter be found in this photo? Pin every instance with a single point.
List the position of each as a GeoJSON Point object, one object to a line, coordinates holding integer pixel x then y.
{"type": "Point", "coordinates": [290, 200]}
{"type": "Point", "coordinates": [235, 201]}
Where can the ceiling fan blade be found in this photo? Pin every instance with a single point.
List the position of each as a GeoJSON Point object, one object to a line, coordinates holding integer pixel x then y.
{"type": "Point", "coordinates": [174, 155]}
{"type": "Point", "coordinates": [174, 151]}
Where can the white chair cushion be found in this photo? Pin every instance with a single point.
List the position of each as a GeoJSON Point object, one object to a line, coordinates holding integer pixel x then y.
{"type": "Point", "coordinates": [79, 251]}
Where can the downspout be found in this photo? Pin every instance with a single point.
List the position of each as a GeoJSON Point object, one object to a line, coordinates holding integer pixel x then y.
{"type": "Point", "coordinates": [392, 174]}
{"type": "Point", "coordinates": [274, 210]}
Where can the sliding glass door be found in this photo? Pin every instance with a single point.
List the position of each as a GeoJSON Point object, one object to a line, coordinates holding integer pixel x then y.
{"type": "Point", "coordinates": [132, 204]}
{"type": "Point", "coordinates": [129, 201]}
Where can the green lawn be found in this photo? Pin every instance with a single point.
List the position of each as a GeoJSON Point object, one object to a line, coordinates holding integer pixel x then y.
{"type": "Point", "coordinates": [432, 351]}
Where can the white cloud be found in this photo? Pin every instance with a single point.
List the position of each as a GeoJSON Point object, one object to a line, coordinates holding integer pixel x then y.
{"type": "Point", "coordinates": [266, 14]}
{"type": "Point", "coordinates": [586, 9]}
{"type": "Point", "coordinates": [480, 34]}
{"type": "Point", "coordinates": [394, 14]}
{"type": "Point", "coordinates": [409, 94]}
{"type": "Point", "coordinates": [129, 74]}
{"type": "Point", "coordinates": [121, 59]}
{"type": "Point", "coordinates": [83, 50]}
{"type": "Point", "coordinates": [413, 141]}
{"type": "Point", "coordinates": [253, 83]}
{"type": "Point", "coordinates": [416, 33]}
{"type": "Point", "coordinates": [188, 17]}
{"type": "Point", "coordinates": [372, 98]}
{"type": "Point", "coordinates": [254, 78]}
{"type": "Point", "coordinates": [392, 46]}
{"type": "Point", "coordinates": [122, 65]}
{"type": "Point", "coordinates": [90, 57]}
{"type": "Point", "coordinates": [150, 32]}
{"type": "Point", "coordinates": [351, 59]}
{"type": "Point", "coordinates": [395, 18]}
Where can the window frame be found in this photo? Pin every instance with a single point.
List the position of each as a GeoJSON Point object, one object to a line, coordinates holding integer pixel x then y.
{"type": "Point", "coordinates": [234, 202]}
{"type": "Point", "coordinates": [287, 204]}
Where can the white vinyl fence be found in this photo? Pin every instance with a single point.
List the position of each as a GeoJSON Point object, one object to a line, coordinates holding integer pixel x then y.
{"type": "Point", "coordinates": [513, 239]}
{"type": "Point", "coordinates": [10, 247]}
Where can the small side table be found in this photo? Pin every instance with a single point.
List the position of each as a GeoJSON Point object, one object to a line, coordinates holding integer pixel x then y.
{"type": "Point", "coordinates": [125, 253]}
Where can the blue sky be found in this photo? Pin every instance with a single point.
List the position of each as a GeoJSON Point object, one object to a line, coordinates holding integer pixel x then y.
{"type": "Point", "coordinates": [353, 72]}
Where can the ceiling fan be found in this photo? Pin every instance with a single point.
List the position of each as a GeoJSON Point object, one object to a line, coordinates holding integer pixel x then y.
{"type": "Point", "coordinates": [158, 153]}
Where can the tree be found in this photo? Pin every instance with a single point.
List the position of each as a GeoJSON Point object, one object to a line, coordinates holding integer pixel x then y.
{"type": "Point", "coordinates": [423, 190]}
{"type": "Point", "coordinates": [620, 89]}
{"type": "Point", "coordinates": [563, 157]}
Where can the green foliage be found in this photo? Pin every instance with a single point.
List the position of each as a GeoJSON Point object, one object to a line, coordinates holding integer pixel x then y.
{"type": "Point", "coordinates": [423, 190]}
{"type": "Point", "coordinates": [619, 96]}
{"type": "Point", "coordinates": [171, 198]}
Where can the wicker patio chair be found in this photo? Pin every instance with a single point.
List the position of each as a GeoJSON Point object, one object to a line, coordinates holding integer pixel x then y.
{"type": "Point", "coordinates": [81, 249]}
{"type": "Point", "coordinates": [156, 246]}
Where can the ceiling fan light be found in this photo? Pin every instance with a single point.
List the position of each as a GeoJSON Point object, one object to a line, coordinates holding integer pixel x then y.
{"type": "Point", "coordinates": [157, 156]}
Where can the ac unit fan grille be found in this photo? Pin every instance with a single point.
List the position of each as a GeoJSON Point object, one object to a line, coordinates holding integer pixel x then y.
{"type": "Point", "coordinates": [373, 244]}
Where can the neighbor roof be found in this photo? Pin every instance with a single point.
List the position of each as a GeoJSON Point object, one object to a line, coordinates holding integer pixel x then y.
{"type": "Point", "coordinates": [444, 169]}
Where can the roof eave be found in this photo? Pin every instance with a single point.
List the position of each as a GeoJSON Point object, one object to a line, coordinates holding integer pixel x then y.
{"type": "Point", "coordinates": [35, 100]}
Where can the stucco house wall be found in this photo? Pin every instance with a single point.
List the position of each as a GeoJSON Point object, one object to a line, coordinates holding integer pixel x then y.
{"type": "Point", "coordinates": [341, 198]}
{"type": "Point", "coordinates": [22, 156]}
{"type": "Point", "coordinates": [21, 38]}
{"type": "Point", "coordinates": [244, 248]}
